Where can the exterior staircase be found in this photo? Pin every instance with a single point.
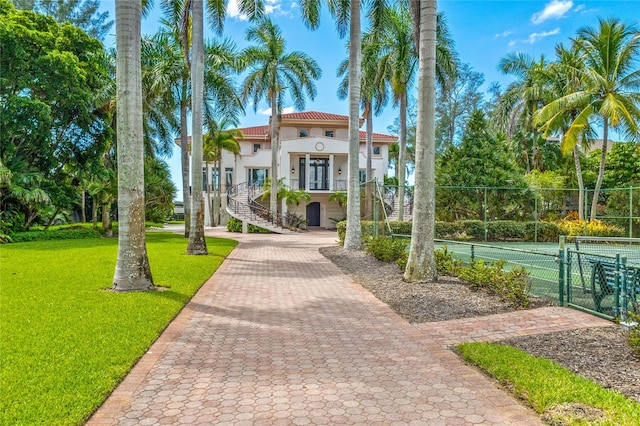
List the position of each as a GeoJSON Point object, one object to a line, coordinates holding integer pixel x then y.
{"type": "Point", "coordinates": [393, 202]}
{"type": "Point", "coordinates": [242, 205]}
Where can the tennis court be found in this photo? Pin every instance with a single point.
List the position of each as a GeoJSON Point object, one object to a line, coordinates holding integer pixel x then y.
{"type": "Point", "coordinates": [565, 275]}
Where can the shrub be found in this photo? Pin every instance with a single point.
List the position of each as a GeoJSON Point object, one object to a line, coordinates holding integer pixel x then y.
{"type": "Point", "coordinates": [235, 225]}
{"type": "Point", "coordinates": [594, 228]}
{"type": "Point", "coordinates": [385, 248]}
{"type": "Point", "coordinates": [506, 230]}
{"type": "Point", "coordinates": [60, 234]}
{"type": "Point", "coordinates": [445, 263]}
{"type": "Point", "coordinates": [547, 231]}
{"type": "Point", "coordinates": [511, 285]}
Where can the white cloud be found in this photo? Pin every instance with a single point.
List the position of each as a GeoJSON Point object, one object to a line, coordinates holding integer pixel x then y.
{"type": "Point", "coordinates": [503, 34]}
{"type": "Point", "coordinates": [534, 37]}
{"type": "Point", "coordinates": [555, 9]}
{"type": "Point", "coordinates": [512, 43]}
{"type": "Point", "coordinates": [233, 11]}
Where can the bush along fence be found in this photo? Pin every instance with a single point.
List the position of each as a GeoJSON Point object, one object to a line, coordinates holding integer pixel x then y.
{"type": "Point", "coordinates": [618, 208]}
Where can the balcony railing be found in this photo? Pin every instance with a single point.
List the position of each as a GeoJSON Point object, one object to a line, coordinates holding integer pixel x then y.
{"type": "Point", "coordinates": [319, 185]}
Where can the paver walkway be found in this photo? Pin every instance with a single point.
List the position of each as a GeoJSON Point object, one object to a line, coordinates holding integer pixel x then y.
{"type": "Point", "coordinates": [279, 335]}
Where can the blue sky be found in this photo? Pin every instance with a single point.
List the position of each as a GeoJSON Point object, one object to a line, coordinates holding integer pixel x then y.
{"type": "Point", "coordinates": [483, 31]}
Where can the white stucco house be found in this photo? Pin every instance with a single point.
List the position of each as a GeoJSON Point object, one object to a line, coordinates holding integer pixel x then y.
{"type": "Point", "coordinates": [313, 156]}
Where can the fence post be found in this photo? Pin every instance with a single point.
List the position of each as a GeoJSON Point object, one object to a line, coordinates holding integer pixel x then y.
{"type": "Point", "coordinates": [616, 288]}
{"type": "Point", "coordinates": [473, 253]}
{"type": "Point", "coordinates": [630, 211]}
{"type": "Point", "coordinates": [623, 276]}
{"type": "Point", "coordinates": [486, 211]}
{"type": "Point", "coordinates": [535, 224]}
{"type": "Point", "coordinates": [561, 272]}
{"type": "Point", "coordinates": [375, 207]}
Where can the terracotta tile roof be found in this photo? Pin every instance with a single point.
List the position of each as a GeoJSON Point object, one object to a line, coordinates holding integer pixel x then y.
{"type": "Point", "coordinates": [255, 130]}
{"type": "Point", "coordinates": [363, 135]}
{"type": "Point", "coordinates": [314, 115]}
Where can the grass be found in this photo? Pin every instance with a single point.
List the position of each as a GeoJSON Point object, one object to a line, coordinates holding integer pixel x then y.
{"type": "Point", "coordinates": [65, 342]}
{"type": "Point", "coordinates": [544, 385]}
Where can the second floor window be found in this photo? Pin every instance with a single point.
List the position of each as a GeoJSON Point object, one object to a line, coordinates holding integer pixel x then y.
{"type": "Point", "coordinates": [328, 133]}
{"type": "Point", "coordinates": [303, 133]}
{"type": "Point", "coordinates": [256, 147]}
{"type": "Point", "coordinates": [376, 150]}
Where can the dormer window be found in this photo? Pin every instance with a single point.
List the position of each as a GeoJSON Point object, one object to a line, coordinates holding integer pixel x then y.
{"type": "Point", "coordinates": [328, 133]}
{"type": "Point", "coordinates": [303, 133]}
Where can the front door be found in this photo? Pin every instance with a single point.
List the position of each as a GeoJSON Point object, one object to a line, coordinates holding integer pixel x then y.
{"type": "Point", "coordinates": [313, 214]}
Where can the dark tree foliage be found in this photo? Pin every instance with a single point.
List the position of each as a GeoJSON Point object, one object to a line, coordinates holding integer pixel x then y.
{"type": "Point", "coordinates": [51, 128]}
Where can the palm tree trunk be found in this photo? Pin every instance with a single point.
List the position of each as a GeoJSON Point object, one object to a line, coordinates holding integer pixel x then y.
{"type": "Point", "coordinates": [184, 159]}
{"type": "Point", "coordinates": [369, 170]}
{"type": "Point", "coordinates": [576, 161]}
{"type": "Point", "coordinates": [273, 198]}
{"type": "Point", "coordinates": [420, 264]}
{"type": "Point", "coordinates": [83, 205]}
{"type": "Point", "coordinates": [197, 244]}
{"type": "Point", "coordinates": [106, 220]}
{"type": "Point", "coordinates": [353, 234]}
{"type": "Point", "coordinates": [94, 212]}
{"type": "Point", "coordinates": [402, 155]}
{"type": "Point", "coordinates": [603, 160]}
{"type": "Point", "coordinates": [132, 266]}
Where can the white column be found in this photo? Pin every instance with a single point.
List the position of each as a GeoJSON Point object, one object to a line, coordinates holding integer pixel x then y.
{"type": "Point", "coordinates": [331, 172]}
{"type": "Point", "coordinates": [307, 160]}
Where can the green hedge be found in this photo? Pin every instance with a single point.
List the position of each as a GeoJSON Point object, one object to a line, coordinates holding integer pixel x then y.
{"type": "Point", "coordinates": [501, 230]}
{"type": "Point", "coordinates": [60, 234]}
{"type": "Point", "coordinates": [235, 225]}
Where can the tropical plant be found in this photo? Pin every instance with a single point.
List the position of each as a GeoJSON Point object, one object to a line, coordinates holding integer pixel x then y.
{"type": "Point", "coordinates": [609, 90]}
{"type": "Point", "coordinates": [518, 105]}
{"type": "Point", "coordinates": [217, 140]}
{"type": "Point", "coordinates": [272, 73]}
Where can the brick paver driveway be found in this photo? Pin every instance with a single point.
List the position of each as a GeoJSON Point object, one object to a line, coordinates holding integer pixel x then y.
{"type": "Point", "coordinates": [280, 336]}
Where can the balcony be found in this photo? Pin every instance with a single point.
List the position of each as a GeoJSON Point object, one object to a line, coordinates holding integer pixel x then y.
{"type": "Point", "coordinates": [319, 185]}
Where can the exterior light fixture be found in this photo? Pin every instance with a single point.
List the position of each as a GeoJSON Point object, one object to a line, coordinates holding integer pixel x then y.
{"type": "Point", "coordinates": [293, 170]}
{"type": "Point", "coordinates": [339, 170]}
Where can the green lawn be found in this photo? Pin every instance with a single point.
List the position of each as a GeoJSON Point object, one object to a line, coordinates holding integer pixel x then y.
{"type": "Point", "coordinates": [544, 386]}
{"type": "Point", "coordinates": [65, 342]}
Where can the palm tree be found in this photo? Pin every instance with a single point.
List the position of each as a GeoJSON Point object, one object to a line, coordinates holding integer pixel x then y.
{"type": "Point", "coordinates": [398, 64]}
{"type": "Point", "coordinates": [421, 264]}
{"type": "Point", "coordinates": [562, 78]}
{"type": "Point", "coordinates": [132, 270]}
{"type": "Point", "coordinates": [197, 244]}
{"type": "Point", "coordinates": [609, 91]}
{"type": "Point", "coordinates": [523, 97]}
{"type": "Point", "coordinates": [273, 72]}
{"type": "Point", "coordinates": [215, 141]}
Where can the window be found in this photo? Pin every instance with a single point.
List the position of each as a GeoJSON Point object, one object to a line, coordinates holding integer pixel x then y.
{"type": "Point", "coordinates": [363, 176]}
{"type": "Point", "coordinates": [328, 133]}
{"type": "Point", "coordinates": [256, 147]}
{"type": "Point", "coordinates": [257, 176]}
{"type": "Point", "coordinates": [303, 133]}
{"type": "Point", "coordinates": [228, 171]}
{"type": "Point", "coordinates": [376, 150]}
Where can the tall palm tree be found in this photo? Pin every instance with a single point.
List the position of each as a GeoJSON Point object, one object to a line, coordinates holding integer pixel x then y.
{"type": "Point", "coordinates": [563, 78]}
{"type": "Point", "coordinates": [374, 93]}
{"type": "Point", "coordinates": [272, 73]}
{"type": "Point", "coordinates": [610, 92]}
{"type": "Point", "coordinates": [398, 65]}
{"type": "Point", "coordinates": [421, 264]}
{"type": "Point", "coordinates": [132, 270]}
{"type": "Point", "coordinates": [197, 244]}
{"type": "Point", "coordinates": [217, 140]}
{"type": "Point", "coordinates": [347, 16]}
{"type": "Point", "coordinates": [523, 97]}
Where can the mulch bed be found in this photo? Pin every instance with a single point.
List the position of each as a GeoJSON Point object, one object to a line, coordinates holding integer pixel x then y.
{"type": "Point", "coordinates": [600, 354]}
